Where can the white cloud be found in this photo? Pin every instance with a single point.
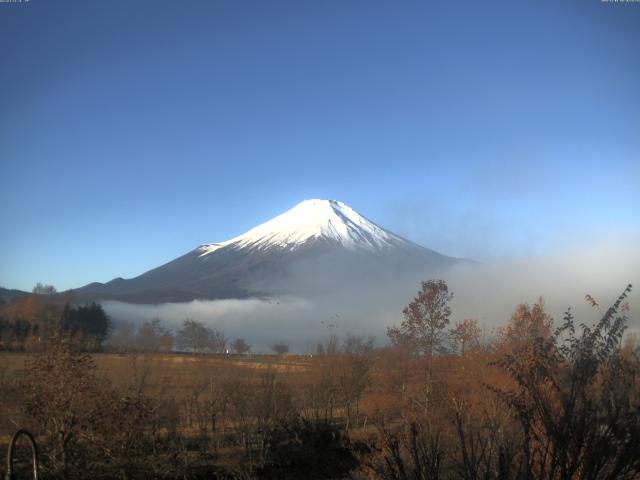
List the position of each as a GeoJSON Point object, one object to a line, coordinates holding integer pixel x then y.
{"type": "Point", "coordinates": [488, 292]}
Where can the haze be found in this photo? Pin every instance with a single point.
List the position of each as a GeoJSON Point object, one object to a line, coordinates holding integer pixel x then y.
{"type": "Point", "coordinates": [487, 292]}
{"type": "Point", "coordinates": [503, 132]}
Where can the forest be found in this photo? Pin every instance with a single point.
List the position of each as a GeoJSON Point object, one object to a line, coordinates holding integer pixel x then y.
{"type": "Point", "coordinates": [535, 399]}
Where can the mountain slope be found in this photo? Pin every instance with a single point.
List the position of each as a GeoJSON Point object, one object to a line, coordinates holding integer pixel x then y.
{"type": "Point", "coordinates": [321, 239]}
{"type": "Point", "coordinates": [330, 220]}
{"type": "Point", "coordinates": [6, 295]}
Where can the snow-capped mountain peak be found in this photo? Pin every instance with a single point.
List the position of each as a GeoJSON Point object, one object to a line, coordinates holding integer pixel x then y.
{"type": "Point", "coordinates": [317, 246]}
{"type": "Point", "coordinates": [327, 220]}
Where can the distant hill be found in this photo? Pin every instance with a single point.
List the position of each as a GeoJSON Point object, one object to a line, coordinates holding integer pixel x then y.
{"type": "Point", "coordinates": [7, 295]}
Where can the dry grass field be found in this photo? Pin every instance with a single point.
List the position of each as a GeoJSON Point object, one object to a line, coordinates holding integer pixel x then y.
{"type": "Point", "coordinates": [353, 411]}
{"type": "Point", "coordinates": [170, 373]}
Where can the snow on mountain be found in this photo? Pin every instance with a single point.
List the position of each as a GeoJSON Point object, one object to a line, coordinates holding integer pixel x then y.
{"type": "Point", "coordinates": [311, 220]}
{"type": "Point", "coordinates": [318, 243]}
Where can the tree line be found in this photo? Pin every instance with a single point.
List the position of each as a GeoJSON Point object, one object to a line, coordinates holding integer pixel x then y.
{"type": "Point", "coordinates": [192, 336]}
{"type": "Point", "coordinates": [539, 400]}
{"type": "Point", "coordinates": [27, 322]}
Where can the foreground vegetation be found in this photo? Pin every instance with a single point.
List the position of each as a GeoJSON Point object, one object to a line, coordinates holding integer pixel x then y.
{"type": "Point", "coordinates": [536, 401]}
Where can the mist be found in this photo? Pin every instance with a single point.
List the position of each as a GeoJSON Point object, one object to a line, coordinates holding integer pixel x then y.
{"type": "Point", "coordinates": [325, 299]}
{"type": "Point", "coordinates": [490, 292]}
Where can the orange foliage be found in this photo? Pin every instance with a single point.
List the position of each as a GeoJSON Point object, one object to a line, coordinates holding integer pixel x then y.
{"type": "Point", "coordinates": [527, 323]}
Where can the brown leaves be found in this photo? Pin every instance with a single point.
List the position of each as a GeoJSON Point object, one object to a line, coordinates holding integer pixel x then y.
{"type": "Point", "coordinates": [466, 334]}
{"type": "Point", "coordinates": [425, 319]}
{"type": "Point", "coordinates": [591, 301]}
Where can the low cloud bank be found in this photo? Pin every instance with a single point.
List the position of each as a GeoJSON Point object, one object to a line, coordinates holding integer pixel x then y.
{"type": "Point", "coordinates": [362, 304]}
{"type": "Point", "coordinates": [490, 292]}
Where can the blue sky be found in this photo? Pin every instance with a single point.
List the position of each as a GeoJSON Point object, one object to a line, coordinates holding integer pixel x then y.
{"type": "Point", "coordinates": [130, 132]}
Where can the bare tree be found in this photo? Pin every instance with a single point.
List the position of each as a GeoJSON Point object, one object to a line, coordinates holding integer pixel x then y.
{"type": "Point", "coordinates": [272, 406]}
{"type": "Point", "coordinates": [44, 289]}
{"type": "Point", "coordinates": [322, 392]}
{"type": "Point", "coordinates": [416, 454]}
{"type": "Point", "coordinates": [123, 336]}
{"type": "Point", "coordinates": [466, 335]}
{"type": "Point", "coordinates": [217, 341]}
{"type": "Point", "coordinates": [193, 336]}
{"type": "Point", "coordinates": [62, 397]}
{"type": "Point", "coordinates": [354, 375]}
{"type": "Point", "coordinates": [205, 398]}
{"type": "Point", "coordinates": [280, 348]}
{"type": "Point", "coordinates": [153, 335]}
{"type": "Point", "coordinates": [240, 346]}
{"type": "Point", "coordinates": [423, 329]}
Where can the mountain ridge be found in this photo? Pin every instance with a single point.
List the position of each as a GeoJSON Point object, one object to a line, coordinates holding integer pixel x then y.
{"type": "Point", "coordinates": [314, 238]}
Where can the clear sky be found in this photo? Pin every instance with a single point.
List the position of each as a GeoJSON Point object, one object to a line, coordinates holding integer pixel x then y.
{"type": "Point", "coordinates": [132, 131]}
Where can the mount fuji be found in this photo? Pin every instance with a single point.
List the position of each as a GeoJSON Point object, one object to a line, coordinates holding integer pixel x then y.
{"type": "Point", "coordinates": [318, 245]}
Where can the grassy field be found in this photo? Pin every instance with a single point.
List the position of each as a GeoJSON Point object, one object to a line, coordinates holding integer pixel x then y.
{"type": "Point", "coordinates": [14, 361]}
{"type": "Point", "coordinates": [245, 393]}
